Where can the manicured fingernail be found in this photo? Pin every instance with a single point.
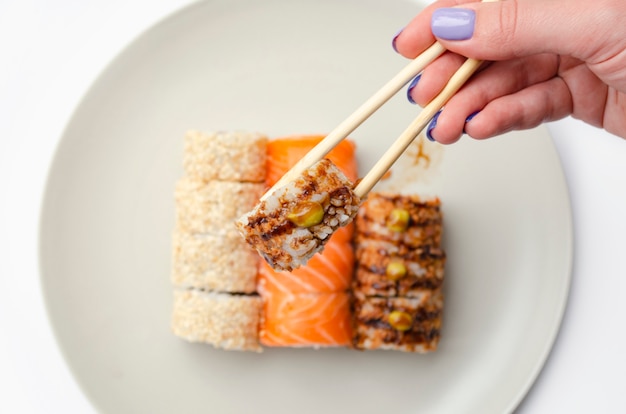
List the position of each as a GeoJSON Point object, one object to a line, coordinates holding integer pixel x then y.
{"type": "Point", "coordinates": [453, 23]}
{"type": "Point", "coordinates": [411, 86]}
{"type": "Point", "coordinates": [431, 126]}
{"type": "Point", "coordinates": [395, 37]}
{"type": "Point", "coordinates": [469, 118]}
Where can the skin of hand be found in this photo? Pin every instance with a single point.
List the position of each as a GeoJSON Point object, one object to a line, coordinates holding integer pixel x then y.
{"type": "Point", "coordinates": [546, 59]}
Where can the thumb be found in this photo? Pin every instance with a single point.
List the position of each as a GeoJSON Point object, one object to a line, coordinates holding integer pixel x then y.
{"type": "Point", "coordinates": [514, 28]}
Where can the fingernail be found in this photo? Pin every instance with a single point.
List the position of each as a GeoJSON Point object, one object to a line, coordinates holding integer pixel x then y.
{"type": "Point", "coordinates": [453, 23]}
{"type": "Point", "coordinates": [395, 37]}
{"type": "Point", "coordinates": [411, 86]}
{"type": "Point", "coordinates": [431, 126]}
{"type": "Point", "coordinates": [469, 118]}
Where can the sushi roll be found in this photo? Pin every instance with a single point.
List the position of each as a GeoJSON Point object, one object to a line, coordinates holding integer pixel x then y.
{"type": "Point", "coordinates": [397, 290]}
{"type": "Point", "coordinates": [328, 271]}
{"type": "Point", "coordinates": [400, 323]}
{"type": "Point", "coordinates": [214, 271]}
{"type": "Point", "coordinates": [401, 219]}
{"type": "Point", "coordinates": [225, 321]}
{"type": "Point", "coordinates": [295, 221]}
{"type": "Point", "coordinates": [385, 269]}
{"type": "Point", "coordinates": [213, 206]}
{"type": "Point", "coordinates": [310, 305]}
{"type": "Point", "coordinates": [225, 156]}
{"type": "Point", "coordinates": [223, 263]}
{"type": "Point", "coordinates": [306, 319]}
{"type": "Point", "coordinates": [284, 153]}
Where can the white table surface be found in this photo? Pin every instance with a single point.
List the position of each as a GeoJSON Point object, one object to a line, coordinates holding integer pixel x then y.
{"type": "Point", "coordinates": [51, 51]}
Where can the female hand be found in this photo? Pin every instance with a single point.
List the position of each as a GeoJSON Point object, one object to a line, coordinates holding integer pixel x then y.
{"type": "Point", "coordinates": [548, 59]}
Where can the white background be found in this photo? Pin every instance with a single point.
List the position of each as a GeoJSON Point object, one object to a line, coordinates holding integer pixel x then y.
{"type": "Point", "coordinates": [51, 51]}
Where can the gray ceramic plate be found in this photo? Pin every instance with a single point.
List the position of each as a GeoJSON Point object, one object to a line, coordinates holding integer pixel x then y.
{"type": "Point", "coordinates": [290, 67]}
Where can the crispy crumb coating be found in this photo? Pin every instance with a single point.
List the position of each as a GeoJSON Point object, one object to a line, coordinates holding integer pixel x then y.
{"type": "Point", "coordinates": [224, 263]}
{"type": "Point", "coordinates": [225, 321]}
{"type": "Point", "coordinates": [213, 206]}
{"type": "Point", "coordinates": [213, 269]}
{"type": "Point", "coordinates": [226, 156]}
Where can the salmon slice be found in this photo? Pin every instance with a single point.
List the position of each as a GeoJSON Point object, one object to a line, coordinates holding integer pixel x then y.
{"type": "Point", "coordinates": [344, 234]}
{"type": "Point", "coordinates": [309, 306]}
{"type": "Point", "coordinates": [283, 153]}
{"type": "Point", "coordinates": [327, 271]}
{"type": "Point", "coordinates": [306, 319]}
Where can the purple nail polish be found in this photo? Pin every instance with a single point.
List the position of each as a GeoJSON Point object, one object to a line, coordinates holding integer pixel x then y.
{"type": "Point", "coordinates": [411, 86]}
{"type": "Point", "coordinates": [453, 23]}
{"type": "Point", "coordinates": [469, 118]}
{"type": "Point", "coordinates": [431, 126]}
{"type": "Point", "coordinates": [395, 37]}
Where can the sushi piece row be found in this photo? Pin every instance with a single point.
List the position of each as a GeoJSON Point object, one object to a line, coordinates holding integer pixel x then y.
{"type": "Point", "coordinates": [397, 290]}
{"type": "Point", "coordinates": [214, 271]}
{"type": "Point", "coordinates": [308, 306]}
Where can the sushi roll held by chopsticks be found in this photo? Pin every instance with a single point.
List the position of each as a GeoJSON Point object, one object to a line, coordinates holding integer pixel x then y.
{"type": "Point", "coordinates": [294, 219]}
{"type": "Point", "coordinates": [293, 222]}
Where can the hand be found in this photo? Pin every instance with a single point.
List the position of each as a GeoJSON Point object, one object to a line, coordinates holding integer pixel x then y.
{"type": "Point", "coordinates": [548, 59]}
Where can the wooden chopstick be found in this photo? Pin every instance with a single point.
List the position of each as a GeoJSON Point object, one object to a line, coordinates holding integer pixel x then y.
{"type": "Point", "coordinates": [404, 140]}
{"type": "Point", "coordinates": [412, 131]}
{"type": "Point", "coordinates": [372, 105]}
{"type": "Point", "coordinates": [353, 121]}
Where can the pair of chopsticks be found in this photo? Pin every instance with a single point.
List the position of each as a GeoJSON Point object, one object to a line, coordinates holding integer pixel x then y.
{"type": "Point", "coordinates": [372, 105]}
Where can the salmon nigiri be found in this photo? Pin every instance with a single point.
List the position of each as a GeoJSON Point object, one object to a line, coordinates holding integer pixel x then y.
{"type": "Point", "coordinates": [283, 153]}
{"type": "Point", "coordinates": [306, 319]}
{"type": "Point", "coordinates": [327, 271]}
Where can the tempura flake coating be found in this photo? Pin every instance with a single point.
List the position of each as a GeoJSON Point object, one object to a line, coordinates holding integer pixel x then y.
{"type": "Point", "coordinates": [372, 328]}
{"type": "Point", "coordinates": [225, 321]}
{"type": "Point", "coordinates": [223, 263]}
{"type": "Point", "coordinates": [226, 156]}
{"type": "Point", "coordinates": [211, 207]}
{"type": "Point", "coordinates": [285, 245]}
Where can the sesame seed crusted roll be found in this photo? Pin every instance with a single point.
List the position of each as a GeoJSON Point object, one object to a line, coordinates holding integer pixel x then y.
{"type": "Point", "coordinates": [213, 269]}
{"type": "Point", "coordinates": [225, 321]}
{"type": "Point", "coordinates": [213, 206]}
{"type": "Point", "coordinates": [222, 263]}
{"type": "Point", "coordinates": [228, 156]}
